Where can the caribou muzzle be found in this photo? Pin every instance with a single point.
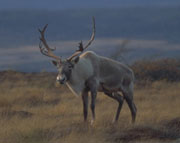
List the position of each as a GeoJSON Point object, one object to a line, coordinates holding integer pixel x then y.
{"type": "Point", "coordinates": [61, 79]}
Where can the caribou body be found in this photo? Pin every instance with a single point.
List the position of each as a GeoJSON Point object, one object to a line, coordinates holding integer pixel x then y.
{"type": "Point", "coordinates": [89, 72]}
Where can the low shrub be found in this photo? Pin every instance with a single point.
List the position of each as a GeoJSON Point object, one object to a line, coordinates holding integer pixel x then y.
{"type": "Point", "coordinates": [161, 69]}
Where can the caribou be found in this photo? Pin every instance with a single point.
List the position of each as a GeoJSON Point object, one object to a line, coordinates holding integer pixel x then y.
{"type": "Point", "coordinates": [85, 72]}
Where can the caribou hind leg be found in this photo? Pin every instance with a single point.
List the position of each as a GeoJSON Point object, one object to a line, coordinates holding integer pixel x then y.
{"type": "Point", "coordinates": [120, 100]}
{"type": "Point", "coordinates": [128, 95]}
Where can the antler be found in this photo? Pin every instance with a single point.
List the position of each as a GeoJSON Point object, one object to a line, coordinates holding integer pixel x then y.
{"type": "Point", "coordinates": [81, 47]}
{"type": "Point", "coordinates": [46, 51]}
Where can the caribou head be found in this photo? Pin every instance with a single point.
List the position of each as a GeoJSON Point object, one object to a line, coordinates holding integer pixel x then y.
{"type": "Point", "coordinates": [64, 66]}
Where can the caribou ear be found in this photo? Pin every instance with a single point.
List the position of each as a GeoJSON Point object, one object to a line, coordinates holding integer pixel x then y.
{"type": "Point", "coordinates": [54, 63]}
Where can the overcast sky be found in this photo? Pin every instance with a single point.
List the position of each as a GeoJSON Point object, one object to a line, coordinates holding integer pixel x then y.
{"type": "Point", "coordinates": [66, 4]}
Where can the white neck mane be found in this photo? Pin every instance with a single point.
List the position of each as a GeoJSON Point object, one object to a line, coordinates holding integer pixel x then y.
{"type": "Point", "coordinates": [81, 72]}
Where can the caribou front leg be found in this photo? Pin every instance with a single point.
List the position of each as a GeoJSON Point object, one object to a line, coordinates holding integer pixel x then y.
{"type": "Point", "coordinates": [85, 104]}
{"type": "Point", "coordinates": [93, 100]}
{"type": "Point", "coordinates": [92, 86]}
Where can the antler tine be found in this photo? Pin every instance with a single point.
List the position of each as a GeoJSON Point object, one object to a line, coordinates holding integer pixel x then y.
{"type": "Point", "coordinates": [46, 51]}
{"type": "Point", "coordinates": [81, 47]}
{"type": "Point", "coordinates": [92, 36]}
{"type": "Point", "coordinates": [43, 50]}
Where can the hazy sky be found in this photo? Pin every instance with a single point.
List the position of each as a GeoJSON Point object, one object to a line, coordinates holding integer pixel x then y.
{"type": "Point", "coordinates": [23, 56]}
{"type": "Point", "coordinates": [64, 4]}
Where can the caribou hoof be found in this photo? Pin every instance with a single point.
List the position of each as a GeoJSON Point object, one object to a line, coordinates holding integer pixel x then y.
{"type": "Point", "coordinates": [114, 122]}
{"type": "Point", "coordinates": [92, 122]}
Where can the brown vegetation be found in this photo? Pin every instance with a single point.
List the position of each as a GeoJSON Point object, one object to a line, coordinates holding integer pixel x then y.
{"type": "Point", "coordinates": [34, 110]}
{"type": "Point", "coordinates": [162, 69]}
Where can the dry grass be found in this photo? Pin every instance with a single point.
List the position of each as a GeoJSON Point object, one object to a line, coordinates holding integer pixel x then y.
{"type": "Point", "coordinates": [33, 110]}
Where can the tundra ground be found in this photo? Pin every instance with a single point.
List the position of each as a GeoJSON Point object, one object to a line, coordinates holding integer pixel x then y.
{"type": "Point", "coordinates": [34, 110]}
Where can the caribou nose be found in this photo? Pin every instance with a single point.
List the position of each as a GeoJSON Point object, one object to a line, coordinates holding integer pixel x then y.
{"type": "Point", "coordinates": [58, 78]}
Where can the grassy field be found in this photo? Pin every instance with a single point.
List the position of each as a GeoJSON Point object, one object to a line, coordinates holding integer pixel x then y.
{"type": "Point", "coordinates": [33, 109]}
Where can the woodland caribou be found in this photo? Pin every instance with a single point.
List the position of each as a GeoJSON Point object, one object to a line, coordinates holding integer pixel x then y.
{"type": "Point", "coordinates": [89, 72]}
